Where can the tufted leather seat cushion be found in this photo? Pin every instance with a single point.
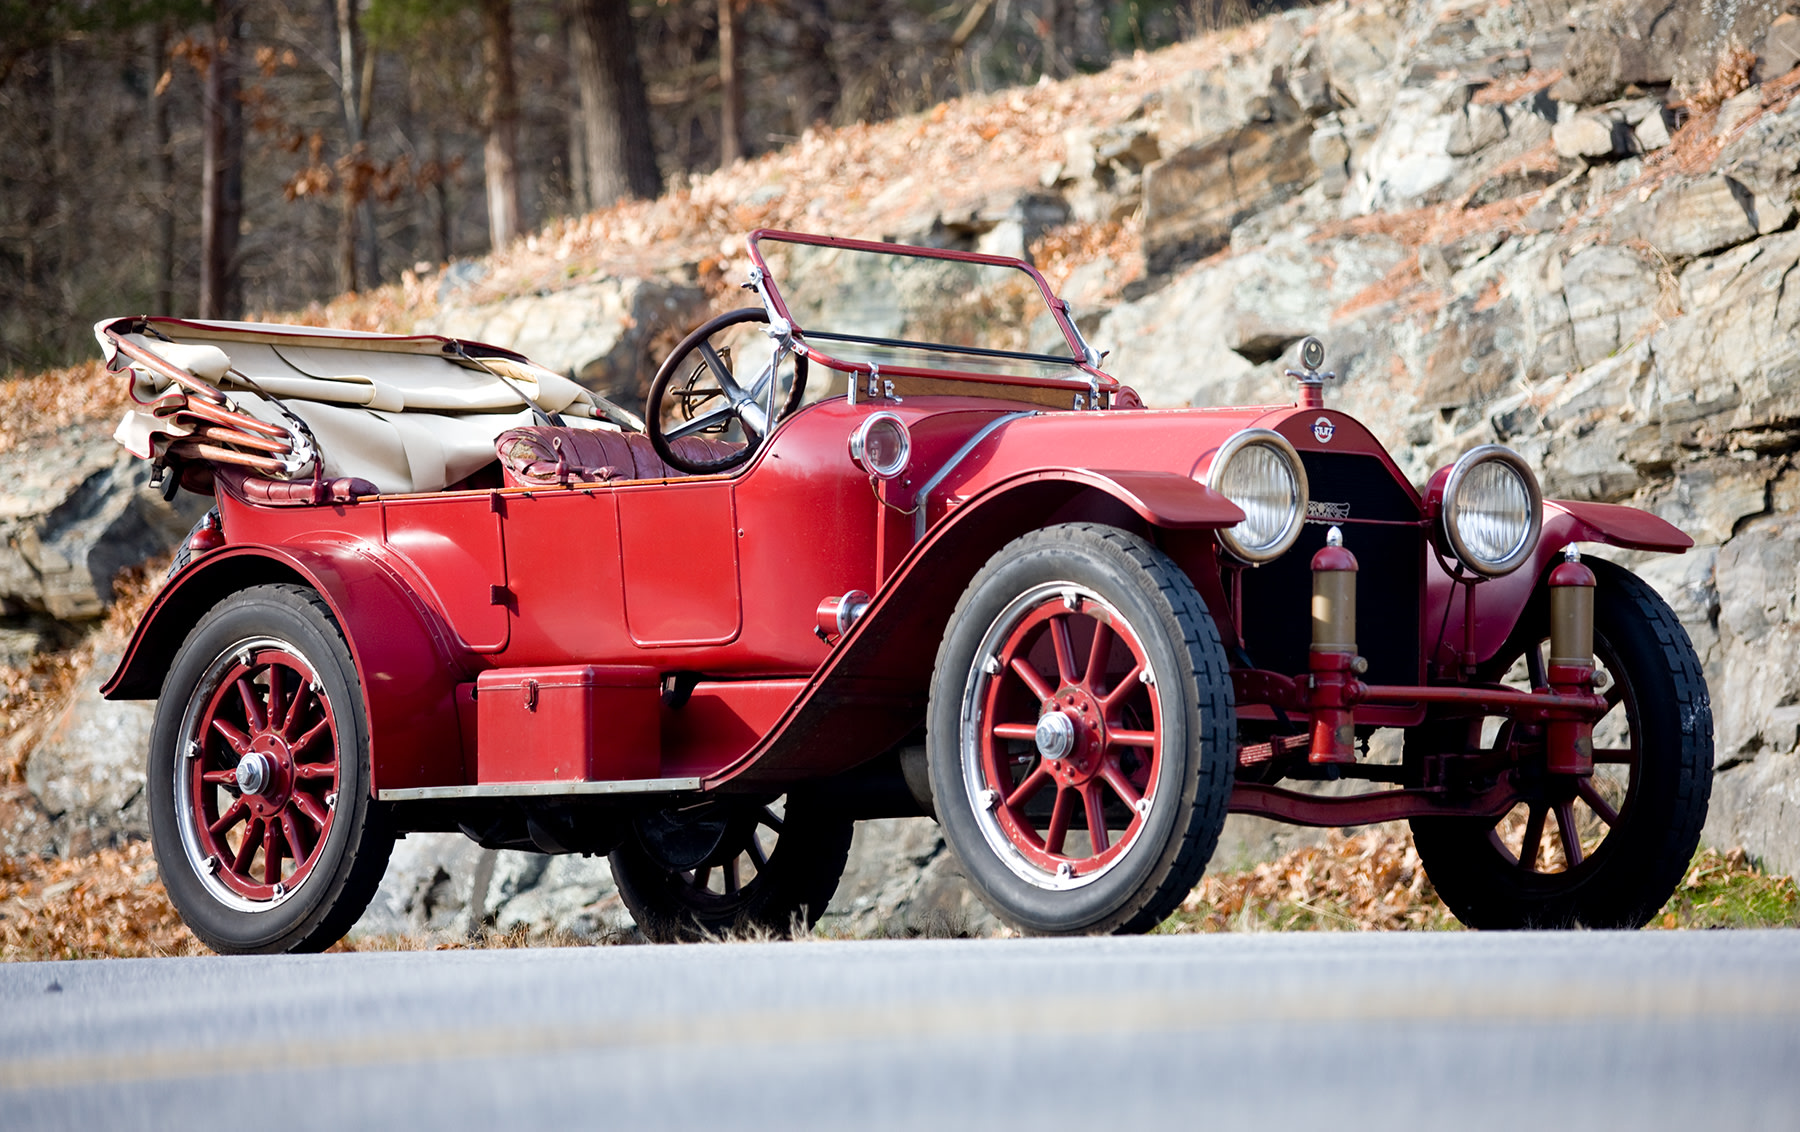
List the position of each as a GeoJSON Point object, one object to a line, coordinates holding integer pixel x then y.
{"type": "Point", "coordinates": [545, 456]}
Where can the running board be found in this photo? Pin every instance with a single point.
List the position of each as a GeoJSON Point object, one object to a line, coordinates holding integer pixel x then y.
{"type": "Point", "coordinates": [539, 789]}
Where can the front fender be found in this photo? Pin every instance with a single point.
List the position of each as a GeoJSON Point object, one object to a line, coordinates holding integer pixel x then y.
{"type": "Point", "coordinates": [1501, 602]}
{"type": "Point", "coordinates": [872, 690]}
{"type": "Point", "coordinates": [404, 658]}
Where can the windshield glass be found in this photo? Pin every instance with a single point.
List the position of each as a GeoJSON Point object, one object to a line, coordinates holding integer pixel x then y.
{"type": "Point", "coordinates": [903, 308]}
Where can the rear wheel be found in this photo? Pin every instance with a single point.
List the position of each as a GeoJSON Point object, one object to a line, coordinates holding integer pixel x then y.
{"type": "Point", "coordinates": [1604, 851]}
{"type": "Point", "coordinates": [1081, 734]}
{"type": "Point", "coordinates": [266, 837]}
{"type": "Point", "coordinates": [688, 876]}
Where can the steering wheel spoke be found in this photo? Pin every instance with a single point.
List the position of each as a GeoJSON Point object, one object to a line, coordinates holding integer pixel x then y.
{"type": "Point", "coordinates": [673, 395]}
{"type": "Point", "coordinates": [705, 422]}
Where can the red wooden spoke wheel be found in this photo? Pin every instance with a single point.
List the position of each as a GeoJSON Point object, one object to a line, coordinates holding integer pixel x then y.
{"type": "Point", "coordinates": [1070, 747]}
{"type": "Point", "coordinates": [1081, 734]}
{"type": "Point", "coordinates": [262, 772]}
{"type": "Point", "coordinates": [267, 836]}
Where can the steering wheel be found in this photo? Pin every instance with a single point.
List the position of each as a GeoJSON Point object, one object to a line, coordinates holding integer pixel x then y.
{"type": "Point", "coordinates": [695, 394]}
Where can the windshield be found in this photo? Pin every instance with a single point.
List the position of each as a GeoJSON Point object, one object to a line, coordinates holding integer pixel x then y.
{"type": "Point", "coordinates": [921, 310]}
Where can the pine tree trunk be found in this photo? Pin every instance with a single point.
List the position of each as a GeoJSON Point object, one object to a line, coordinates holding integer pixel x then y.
{"type": "Point", "coordinates": [621, 160]}
{"type": "Point", "coordinates": [501, 113]}
{"type": "Point", "coordinates": [221, 167]}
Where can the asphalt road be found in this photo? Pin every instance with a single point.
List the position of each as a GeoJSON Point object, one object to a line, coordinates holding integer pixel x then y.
{"type": "Point", "coordinates": [1644, 1030]}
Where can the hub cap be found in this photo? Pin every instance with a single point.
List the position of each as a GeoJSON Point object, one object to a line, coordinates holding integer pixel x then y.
{"type": "Point", "coordinates": [1062, 738]}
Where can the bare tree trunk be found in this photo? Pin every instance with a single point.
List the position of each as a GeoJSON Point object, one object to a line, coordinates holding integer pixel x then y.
{"type": "Point", "coordinates": [501, 113]}
{"type": "Point", "coordinates": [1058, 38]}
{"type": "Point", "coordinates": [359, 257]}
{"type": "Point", "coordinates": [578, 178]}
{"type": "Point", "coordinates": [731, 93]}
{"type": "Point", "coordinates": [819, 87]}
{"type": "Point", "coordinates": [62, 218]}
{"type": "Point", "coordinates": [621, 159]}
{"type": "Point", "coordinates": [221, 167]}
{"type": "Point", "coordinates": [164, 208]}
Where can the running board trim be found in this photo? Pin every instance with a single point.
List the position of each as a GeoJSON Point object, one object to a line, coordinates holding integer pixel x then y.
{"type": "Point", "coordinates": [539, 789]}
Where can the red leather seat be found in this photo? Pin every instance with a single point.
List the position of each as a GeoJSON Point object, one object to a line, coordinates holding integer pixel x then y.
{"type": "Point", "coordinates": [545, 456]}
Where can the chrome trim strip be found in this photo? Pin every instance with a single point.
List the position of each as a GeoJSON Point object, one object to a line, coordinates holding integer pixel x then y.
{"type": "Point", "coordinates": [539, 789]}
{"type": "Point", "coordinates": [924, 493]}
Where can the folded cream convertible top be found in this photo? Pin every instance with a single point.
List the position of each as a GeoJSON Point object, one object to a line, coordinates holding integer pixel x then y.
{"type": "Point", "coordinates": [404, 412]}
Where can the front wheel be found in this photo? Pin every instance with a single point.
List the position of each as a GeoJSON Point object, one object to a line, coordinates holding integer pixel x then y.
{"type": "Point", "coordinates": [266, 837]}
{"type": "Point", "coordinates": [1081, 732]}
{"type": "Point", "coordinates": [1605, 850]}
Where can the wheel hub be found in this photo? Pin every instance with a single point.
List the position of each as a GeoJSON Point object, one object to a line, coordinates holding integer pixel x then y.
{"type": "Point", "coordinates": [1079, 739]}
{"type": "Point", "coordinates": [1055, 734]}
{"type": "Point", "coordinates": [265, 774]}
{"type": "Point", "coordinates": [254, 771]}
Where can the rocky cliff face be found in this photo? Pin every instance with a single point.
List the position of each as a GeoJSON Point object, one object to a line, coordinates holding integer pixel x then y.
{"type": "Point", "coordinates": [1566, 228]}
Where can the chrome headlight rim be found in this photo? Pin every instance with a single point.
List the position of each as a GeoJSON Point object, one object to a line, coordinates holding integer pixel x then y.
{"type": "Point", "coordinates": [1215, 474]}
{"type": "Point", "coordinates": [859, 446]}
{"type": "Point", "coordinates": [1447, 511]}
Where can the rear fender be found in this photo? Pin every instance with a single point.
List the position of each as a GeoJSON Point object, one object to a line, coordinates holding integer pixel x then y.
{"type": "Point", "coordinates": [1500, 603]}
{"type": "Point", "coordinates": [403, 656]}
{"type": "Point", "coordinates": [872, 690]}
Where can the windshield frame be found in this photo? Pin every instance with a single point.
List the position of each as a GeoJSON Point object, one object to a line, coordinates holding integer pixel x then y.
{"type": "Point", "coordinates": [1082, 359]}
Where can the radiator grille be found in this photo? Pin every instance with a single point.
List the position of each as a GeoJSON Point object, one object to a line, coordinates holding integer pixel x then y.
{"type": "Point", "coordinates": [1389, 585]}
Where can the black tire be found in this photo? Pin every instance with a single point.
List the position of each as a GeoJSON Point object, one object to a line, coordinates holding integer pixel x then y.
{"type": "Point", "coordinates": [673, 872]}
{"type": "Point", "coordinates": [983, 782]}
{"type": "Point", "coordinates": [281, 643]}
{"type": "Point", "coordinates": [1663, 709]}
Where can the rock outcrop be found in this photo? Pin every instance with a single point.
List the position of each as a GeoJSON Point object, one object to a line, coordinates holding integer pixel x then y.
{"type": "Point", "coordinates": [1566, 228]}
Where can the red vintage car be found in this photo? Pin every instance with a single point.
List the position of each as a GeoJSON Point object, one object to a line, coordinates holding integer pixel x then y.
{"type": "Point", "coordinates": [886, 542]}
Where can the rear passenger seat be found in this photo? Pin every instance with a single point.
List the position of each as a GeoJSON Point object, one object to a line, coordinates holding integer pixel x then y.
{"type": "Point", "coordinates": [547, 456]}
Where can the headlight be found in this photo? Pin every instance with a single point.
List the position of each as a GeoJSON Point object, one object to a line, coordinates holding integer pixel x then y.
{"type": "Point", "coordinates": [1492, 510]}
{"type": "Point", "coordinates": [1258, 470]}
{"type": "Point", "coordinates": [881, 446]}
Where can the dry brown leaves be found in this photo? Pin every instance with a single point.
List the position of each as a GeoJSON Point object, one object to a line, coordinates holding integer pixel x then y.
{"type": "Point", "coordinates": [105, 905]}
{"type": "Point", "coordinates": [1060, 251]}
{"type": "Point", "coordinates": [33, 405]}
{"type": "Point", "coordinates": [1503, 91]}
{"type": "Point", "coordinates": [1372, 881]}
{"type": "Point", "coordinates": [1729, 78]}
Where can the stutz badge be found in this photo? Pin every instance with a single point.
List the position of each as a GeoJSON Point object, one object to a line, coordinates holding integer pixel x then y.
{"type": "Point", "coordinates": [1324, 430]}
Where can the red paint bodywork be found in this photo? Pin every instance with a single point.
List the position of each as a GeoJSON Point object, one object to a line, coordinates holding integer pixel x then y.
{"type": "Point", "coordinates": [711, 585]}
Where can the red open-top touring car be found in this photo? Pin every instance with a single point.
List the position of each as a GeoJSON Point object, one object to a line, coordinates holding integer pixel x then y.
{"type": "Point", "coordinates": [887, 542]}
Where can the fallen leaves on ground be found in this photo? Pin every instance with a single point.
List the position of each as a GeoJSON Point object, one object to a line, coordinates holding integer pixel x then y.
{"type": "Point", "coordinates": [1370, 881]}
{"type": "Point", "coordinates": [103, 905]}
{"type": "Point", "coordinates": [110, 904]}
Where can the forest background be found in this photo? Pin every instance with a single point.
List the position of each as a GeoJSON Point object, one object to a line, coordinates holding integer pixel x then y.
{"type": "Point", "coordinates": [218, 158]}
